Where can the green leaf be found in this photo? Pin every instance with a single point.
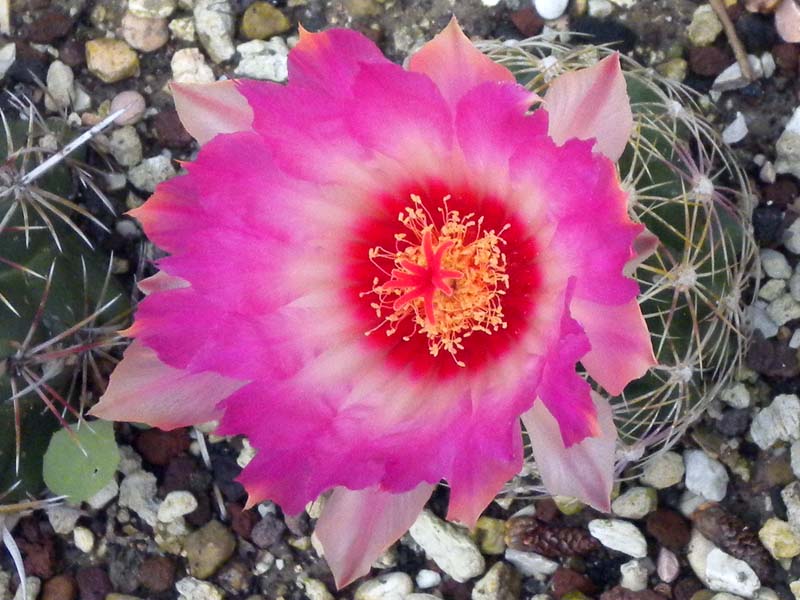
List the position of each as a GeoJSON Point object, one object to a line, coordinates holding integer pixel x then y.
{"type": "Point", "coordinates": [82, 465]}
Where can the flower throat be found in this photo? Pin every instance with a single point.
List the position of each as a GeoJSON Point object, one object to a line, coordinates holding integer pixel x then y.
{"type": "Point", "coordinates": [449, 280]}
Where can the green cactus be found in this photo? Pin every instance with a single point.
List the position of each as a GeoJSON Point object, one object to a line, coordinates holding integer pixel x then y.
{"type": "Point", "coordinates": [59, 304]}
{"type": "Point", "coordinates": [686, 187]}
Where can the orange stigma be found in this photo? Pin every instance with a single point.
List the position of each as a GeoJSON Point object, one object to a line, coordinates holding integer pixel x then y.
{"type": "Point", "coordinates": [449, 281]}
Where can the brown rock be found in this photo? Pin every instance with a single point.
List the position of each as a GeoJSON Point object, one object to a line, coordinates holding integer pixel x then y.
{"type": "Point", "coordinates": [72, 53]}
{"type": "Point", "coordinates": [621, 593]}
{"type": "Point", "coordinates": [670, 528]}
{"type": "Point", "coordinates": [708, 61]}
{"type": "Point", "coordinates": [783, 192]}
{"type": "Point", "coordinates": [170, 131]}
{"type": "Point", "coordinates": [38, 549]}
{"type": "Point", "coordinates": [771, 358]}
{"type": "Point", "coordinates": [686, 588]}
{"type": "Point", "coordinates": [160, 447]}
{"type": "Point", "coordinates": [93, 583]}
{"type": "Point", "coordinates": [566, 580]}
{"type": "Point", "coordinates": [527, 22]}
{"type": "Point", "coordinates": [242, 521]}
{"type": "Point", "coordinates": [786, 58]}
{"type": "Point", "coordinates": [529, 534]}
{"type": "Point", "coordinates": [47, 27]}
{"type": "Point", "coordinates": [60, 587]}
{"type": "Point", "coordinates": [157, 573]}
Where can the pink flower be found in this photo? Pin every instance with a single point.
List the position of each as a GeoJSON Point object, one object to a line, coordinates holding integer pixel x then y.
{"type": "Point", "coordinates": [787, 20]}
{"type": "Point", "coordinates": [376, 273]}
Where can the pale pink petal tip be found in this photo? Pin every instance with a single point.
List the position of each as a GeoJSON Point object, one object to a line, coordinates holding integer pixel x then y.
{"type": "Point", "coordinates": [143, 389]}
{"type": "Point", "coordinates": [161, 282]}
{"type": "Point", "coordinates": [455, 65]}
{"type": "Point", "coordinates": [209, 109]}
{"type": "Point", "coordinates": [584, 470]}
{"type": "Point", "coordinates": [592, 103]}
{"type": "Point", "coordinates": [645, 244]}
{"type": "Point", "coordinates": [622, 349]}
{"type": "Point", "coordinates": [787, 21]}
{"type": "Point", "coordinates": [356, 527]}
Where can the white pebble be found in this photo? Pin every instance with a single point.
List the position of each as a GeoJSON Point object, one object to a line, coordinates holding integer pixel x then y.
{"type": "Point", "coordinates": [736, 131]}
{"type": "Point", "coordinates": [388, 586]}
{"type": "Point", "coordinates": [725, 573]}
{"type": "Point", "coordinates": [530, 564]}
{"type": "Point", "coordinates": [618, 535]}
{"type": "Point", "coordinates": [780, 421]}
{"type": "Point", "coordinates": [775, 264]}
{"type": "Point", "coordinates": [428, 579]}
{"type": "Point", "coordinates": [705, 476]}
{"type": "Point", "coordinates": [635, 503]}
{"type": "Point", "coordinates": [791, 237]}
{"type": "Point", "coordinates": [634, 575]}
{"type": "Point", "coordinates": [176, 504]}
{"type": "Point", "coordinates": [449, 546]}
{"type": "Point", "coordinates": [736, 395]}
{"type": "Point", "coordinates": [83, 539]}
{"type": "Point", "coordinates": [550, 9]}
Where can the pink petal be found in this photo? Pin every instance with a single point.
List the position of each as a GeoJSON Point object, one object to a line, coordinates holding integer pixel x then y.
{"type": "Point", "coordinates": [787, 21]}
{"type": "Point", "coordinates": [621, 347]}
{"type": "Point", "coordinates": [585, 470]}
{"type": "Point", "coordinates": [455, 65]}
{"type": "Point", "coordinates": [565, 393]}
{"type": "Point", "coordinates": [592, 104]}
{"type": "Point", "coordinates": [208, 109]}
{"type": "Point", "coordinates": [491, 455]}
{"type": "Point", "coordinates": [143, 389]}
{"type": "Point", "coordinates": [327, 62]}
{"type": "Point", "coordinates": [356, 527]}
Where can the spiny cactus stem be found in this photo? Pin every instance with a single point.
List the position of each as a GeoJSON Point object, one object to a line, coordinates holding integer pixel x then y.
{"type": "Point", "coordinates": [56, 158]}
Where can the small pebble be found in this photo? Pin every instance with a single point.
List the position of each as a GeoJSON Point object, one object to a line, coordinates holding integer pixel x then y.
{"type": "Point", "coordinates": [779, 539]}
{"type": "Point", "coordinates": [736, 395]}
{"type": "Point", "coordinates": [774, 289]}
{"type": "Point", "coordinates": [183, 29]}
{"type": "Point", "coordinates": [600, 9]}
{"type": "Point", "coordinates": [176, 504]}
{"type": "Point", "coordinates": [635, 503]}
{"type": "Point", "coordinates": [152, 9]}
{"type": "Point", "coordinates": [783, 309]}
{"type": "Point", "coordinates": [501, 582]}
{"type": "Point", "coordinates": [668, 566]}
{"type": "Point", "coordinates": [619, 535]}
{"type": "Point", "coordinates": [725, 573]}
{"type": "Point", "coordinates": [83, 539]}
{"type": "Point", "coordinates": [428, 579]}
{"type": "Point", "coordinates": [550, 9]}
{"type": "Point", "coordinates": [530, 564]}
{"type": "Point", "coordinates": [150, 172]}
{"type": "Point", "coordinates": [143, 33]}
{"type": "Point", "coordinates": [775, 264]}
{"type": "Point", "coordinates": [449, 546]}
{"type": "Point", "coordinates": [133, 102]}
{"type": "Point", "coordinates": [705, 476]}
{"type": "Point", "coordinates": [261, 21]}
{"type": "Point", "coordinates": [791, 237]}
{"type": "Point", "coordinates": [189, 66]}
{"type": "Point", "coordinates": [111, 60]}
{"type": "Point", "coordinates": [663, 470]}
{"type": "Point", "coordinates": [780, 421]}
{"type": "Point", "coordinates": [634, 575]}
{"type": "Point", "coordinates": [705, 26]}
{"type": "Point", "coordinates": [125, 146]}
{"type": "Point", "coordinates": [213, 21]}
{"type": "Point", "coordinates": [190, 588]}
{"type": "Point", "coordinates": [388, 586]}
{"type": "Point", "coordinates": [263, 60]}
{"type": "Point", "coordinates": [788, 147]}
{"type": "Point", "coordinates": [736, 131]}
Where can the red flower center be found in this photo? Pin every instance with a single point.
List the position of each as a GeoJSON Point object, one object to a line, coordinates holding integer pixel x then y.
{"type": "Point", "coordinates": [448, 280]}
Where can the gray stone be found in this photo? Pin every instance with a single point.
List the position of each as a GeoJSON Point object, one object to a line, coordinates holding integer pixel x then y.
{"type": "Point", "coordinates": [775, 264]}
{"type": "Point", "coordinates": [733, 79]}
{"type": "Point", "coordinates": [783, 309]}
{"type": "Point", "coordinates": [104, 496]}
{"type": "Point", "coordinates": [152, 9]}
{"type": "Point", "coordinates": [214, 25]}
{"type": "Point", "coordinates": [263, 60]}
{"type": "Point", "coordinates": [663, 471]}
{"type": "Point", "coordinates": [63, 518]}
{"type": "Point", "coordinates": [775, 288]}
{"type": "Point", "coordinates": [501, 582]}
{"type": "Point", "coordinates": [619, 535]}
{"type": "Point", "coordinates": [697, 554]}
{"type": "Point", "coordinates": [8, 54]}
{"type": "Point", "coordinates": [388, 586]}
{"type": "Point", "coordinates": [427, 579]}
{"type": "Point", "coordinates": [176, 504]}
{"type": "Point", "coordinates": [791, 499]}
{"type": "Point", "coordinates": [138, 493]}
{"type": "Point", "coordinates": [725, 573]}
{"type": "Point", "coordinates": [189, 66]}
{"type": "Point", "coordinates": [735, 131]}
{"type": "Point", "coordinates": [125, 146]}
{"type": "Point", "coordinates": [788, 147]}
{"type": "Point", "coordinates": [530, 564]}
{"type": "Point", "coordinates": [60, 87]}
{"type": "Point", "coordinates": [449, 546]}
{"type": "Point", "coordinates": [705, 476]}
{"type": "Point", "coordinates": [183, 29]}
{"type": "Point", "coordinates": [190, 588]}
{"type": "Point", "coordinates": [736, 395]}
{"type": "Point", "coordinates": [780, 421]}
{"type": "Point", "coordinates": [600, 9]}
{"type": "Point", "coordinates": [760, 321]}
{"type": "Point", "coordinates": [635, 503]}
{"type": "Point", "coordinates": [791, 237]}
{"type": "Point", "coordinates": [795, 458]}
{"type": "Point", "coordinates": [634, 575]}
{"type": "Point", "coordinates": [150, 172]}
{"type": "Point", "coordinates": [668, 567]}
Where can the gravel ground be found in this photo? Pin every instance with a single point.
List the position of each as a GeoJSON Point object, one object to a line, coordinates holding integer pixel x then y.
{"type": "Point", "coordinates": [718, 517]}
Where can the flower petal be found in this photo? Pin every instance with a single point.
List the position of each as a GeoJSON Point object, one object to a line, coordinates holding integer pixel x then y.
{"type": "Point", "coordinates": [208, 109]}
{"type": "Point", "coordinates": [357, 526]}
{"type": "Point", "coordinates": [787, 21]}
{"type": "Point", "coordinates": [161, 282]}
{"type": "Point", "coordinates": [329, 61]}
{"type": "Point", "coordinates": [145, 390]}
{"type": "Point", "coordinates": [455, 65]}
{"type": "Point", "coordinates": [592, 103]}
{"type": "Point", "coordinates": [584, 470]}
{"type": "Point", "coordinates": [621, 347]}
{"type": "Point", "coordinates": [643, 247]}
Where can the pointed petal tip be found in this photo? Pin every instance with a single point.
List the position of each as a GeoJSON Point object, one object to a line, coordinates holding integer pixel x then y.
{"type": "Point", "coordinates": [209, 109]}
